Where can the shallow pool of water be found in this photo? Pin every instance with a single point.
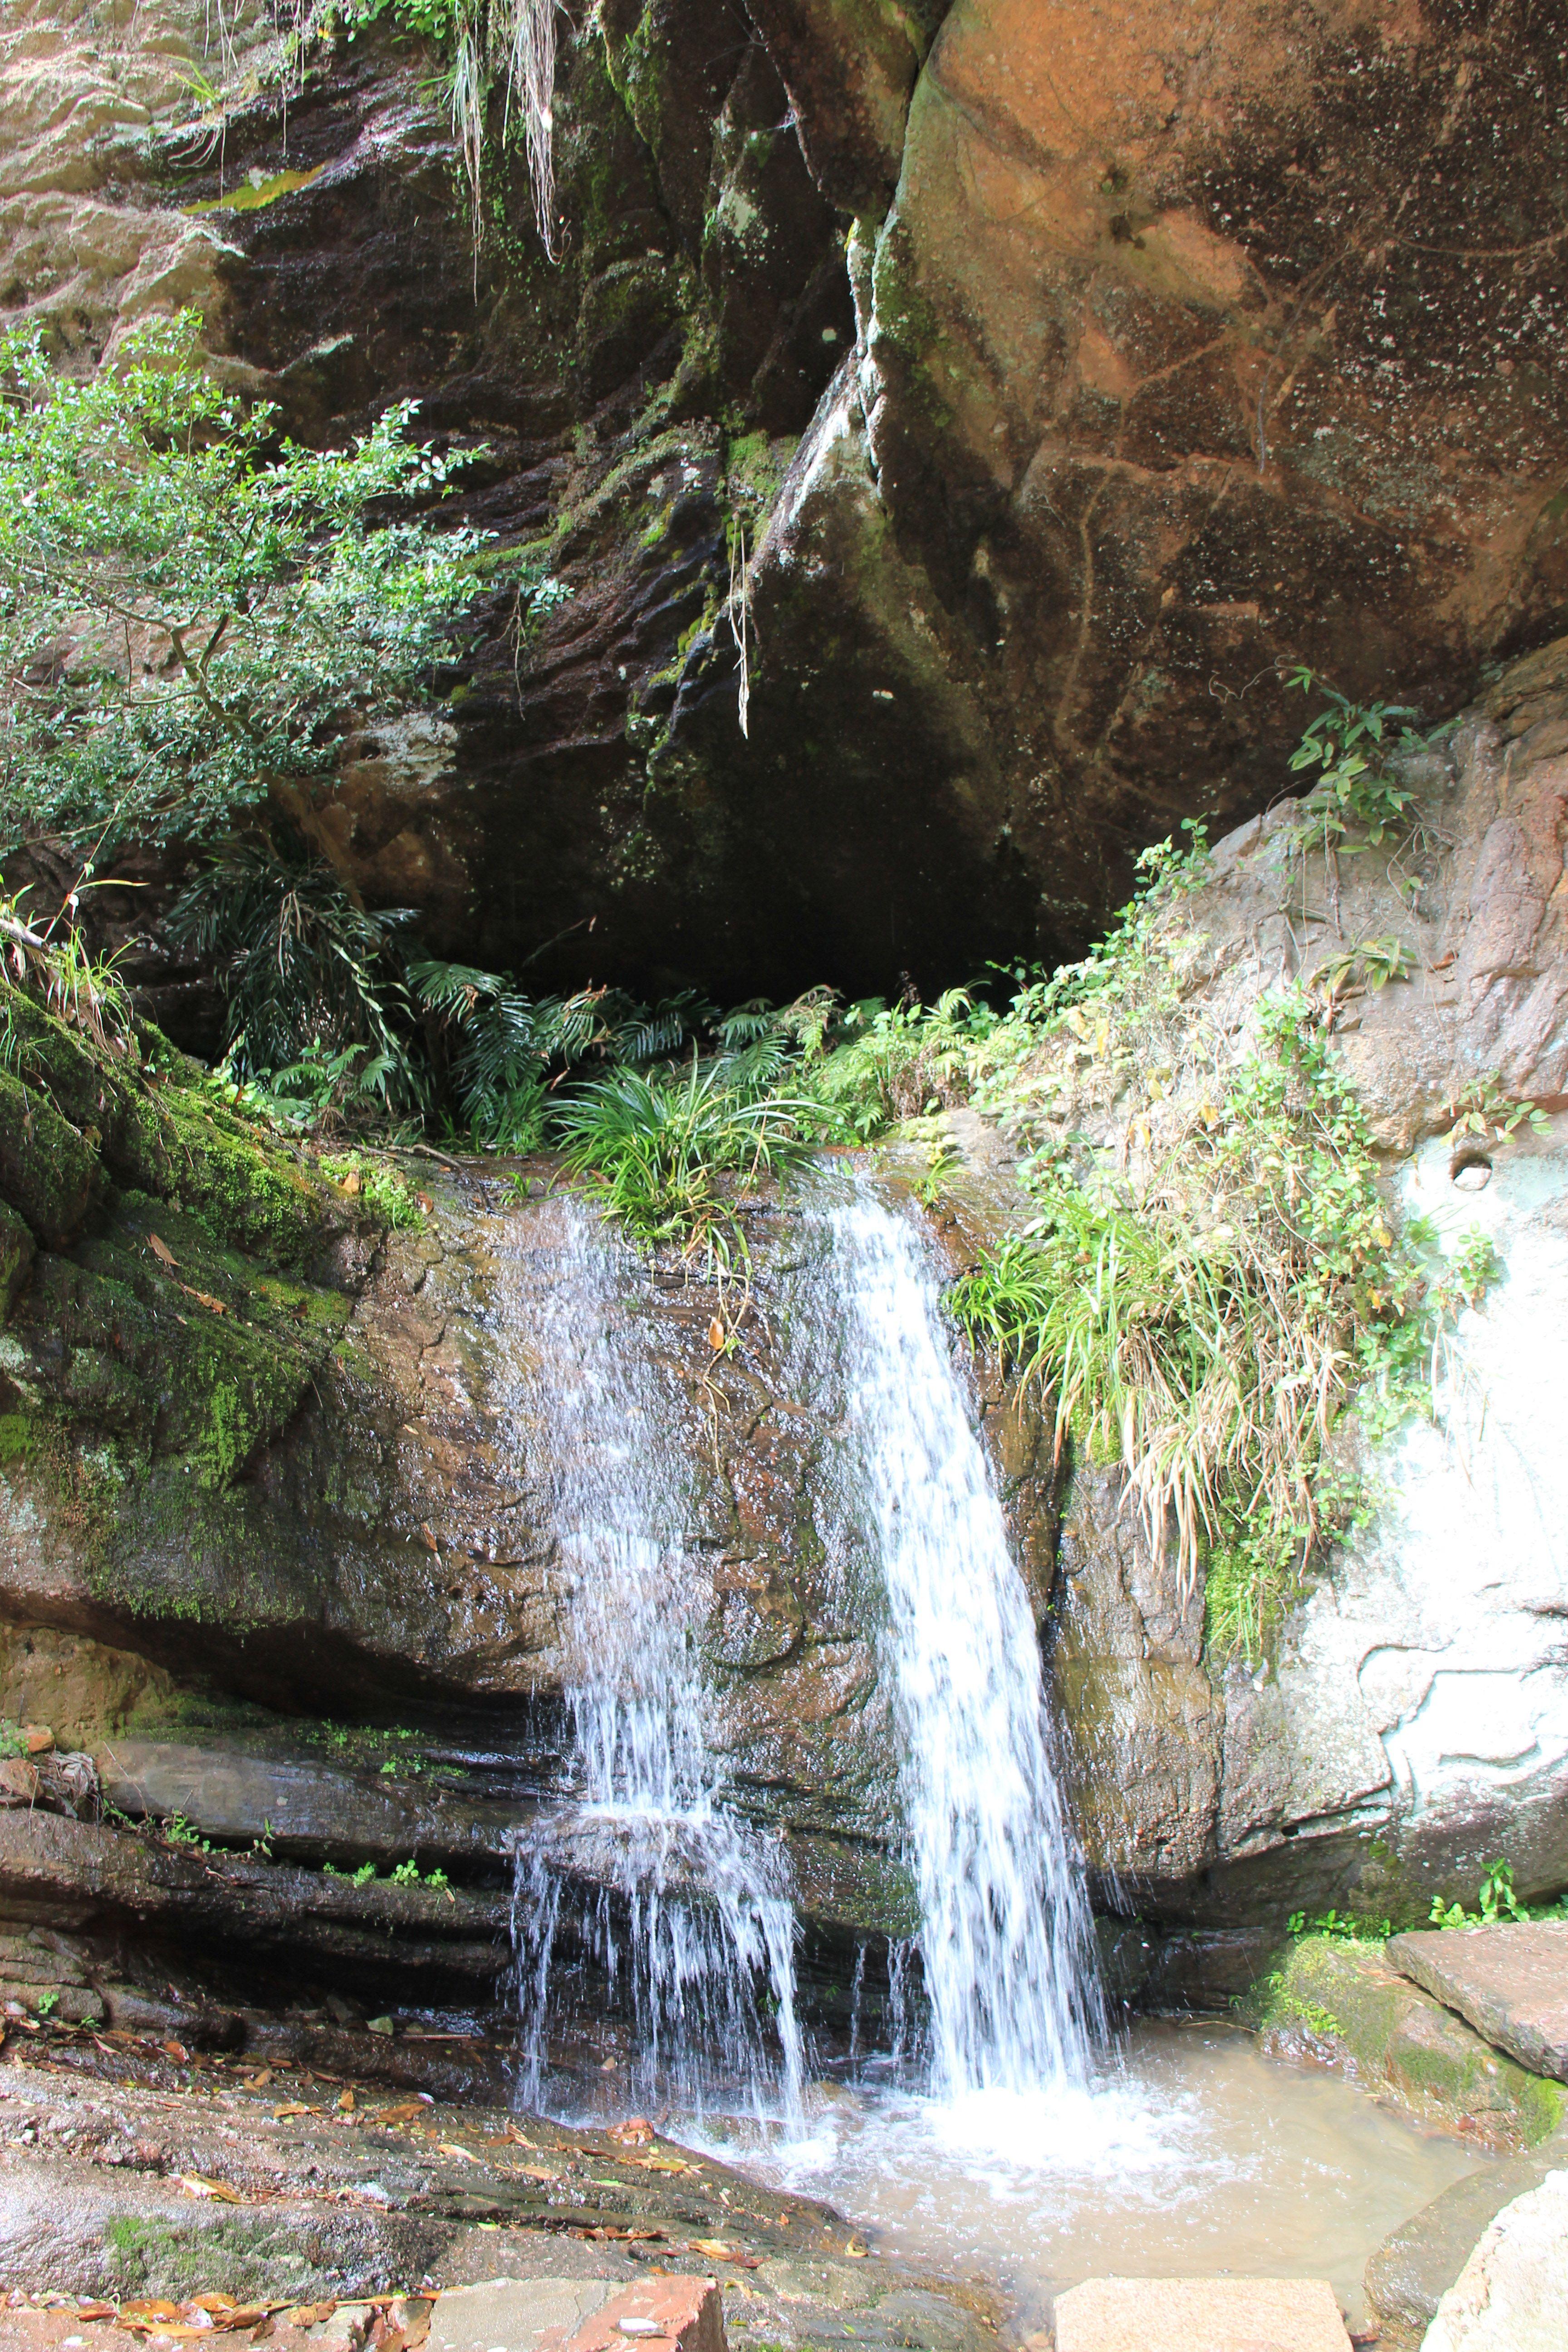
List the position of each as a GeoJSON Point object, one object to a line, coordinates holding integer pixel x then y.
{"type": "Point", "coordinates": [1194, 2153]}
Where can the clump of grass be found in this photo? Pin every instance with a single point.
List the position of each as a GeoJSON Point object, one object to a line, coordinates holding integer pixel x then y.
{"type": "Point", "coordinates": [1202, 1306]}
{"type": "Point", "coordinates": [56, 969]}
{"type": "Point", "coordinates": [670, 1154]}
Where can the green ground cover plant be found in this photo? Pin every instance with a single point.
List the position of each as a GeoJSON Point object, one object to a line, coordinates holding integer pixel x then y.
{"type": "Point", "coordinates": [1496, 1901]}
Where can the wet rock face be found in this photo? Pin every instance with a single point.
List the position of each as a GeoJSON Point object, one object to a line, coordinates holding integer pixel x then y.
{"type": "Point", "coordinates": [1409, 1725]}
{"type": "Point", "coordinates": [389, 1538]}
{"type": "Point", "coordinates": [1122, 364]}
{"type": "Point", "coordinates": [1173, 365]}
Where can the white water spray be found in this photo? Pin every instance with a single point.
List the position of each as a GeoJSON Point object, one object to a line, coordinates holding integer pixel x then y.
{"type": "Point", "coordinates": [1007, 1945]}
{"type": "Point", "coordinates": [689, 1919]}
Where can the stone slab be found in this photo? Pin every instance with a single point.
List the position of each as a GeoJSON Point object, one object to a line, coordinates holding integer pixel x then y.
{"type": "Point", "coordinates": [1411, 2271]}
{"type": "Point", "coordinates": [1509, 1982]}
{"type": "Point", "coordinates": [312, 1808]}
{"type": "Point", "coordinates": [1200, 2314]}
{"type": "Point", "coordinates": [514, 2314]}
{"type": "Point", "coordinates": [660, 2313]}
{"type": "Point", "coordinates": [580, 2314]}
{"type": "Point", "coordinates": [1512, 2294]}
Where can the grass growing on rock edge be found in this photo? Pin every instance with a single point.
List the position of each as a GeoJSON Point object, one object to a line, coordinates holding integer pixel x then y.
{"type": "Point", "coordinates": [1203, 1302]}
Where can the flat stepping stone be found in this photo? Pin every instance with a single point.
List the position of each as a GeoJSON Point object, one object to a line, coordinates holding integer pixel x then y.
{"type": "Point", "coordinates": [580, 2314]}
{"type": "Point", "coordinates": [1509, 1982]}
{"type": "Point", "coordinates": [515, 2313]}
{"type": "Point", "coordinates": [1201, 2315]}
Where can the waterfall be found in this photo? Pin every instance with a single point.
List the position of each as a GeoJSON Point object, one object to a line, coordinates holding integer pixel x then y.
{"type": "Point", "coordinates": [689, 1919]}
{"type": "Point", "coordinates": [1006, 1943]}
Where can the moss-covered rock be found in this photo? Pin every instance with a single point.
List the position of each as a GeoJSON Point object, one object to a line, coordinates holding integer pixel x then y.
{"type": "Point", "coordinates": [46, 1166]}
{"type": "Point", "coordinates": [17, 1251]}
{"type": "Point", "coordinates": [1344, 2004]}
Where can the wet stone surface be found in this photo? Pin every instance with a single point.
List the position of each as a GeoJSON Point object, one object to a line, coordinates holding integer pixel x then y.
{"type": "Point", "coordinates": [1509, 1982]}
{"type": "Point", "coordinates": [126, 2173]}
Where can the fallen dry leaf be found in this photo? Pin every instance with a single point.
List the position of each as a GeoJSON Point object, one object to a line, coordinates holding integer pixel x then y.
{"type": "Point", "coordinates": [661, 2164]}
{"type": "Point", "coordinates": [257, 2082]}
{"type": "Point", "coordinates": [160, 1250]}
{"type": "Point", "coordinates": [450, 2147]}
{"type": "Point", "coordinates": [205, 1298]}
{"type": "Point", "coordinates": [195, 2184]}
{"type": "Point", "coordinates": [404, 2113]}
{"type": "Point", "coordinates": [717, 2252]}
{"type": "Point", "coordinates": [290, 2108]}
{"type": "Point", "coordinates": [95, 2311]}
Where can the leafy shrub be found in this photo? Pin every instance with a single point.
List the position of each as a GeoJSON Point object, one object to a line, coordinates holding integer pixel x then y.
{"type": "Point", "coordinates": [1355, 790]}
{"type": "Point", "coordinates": [187, 611]}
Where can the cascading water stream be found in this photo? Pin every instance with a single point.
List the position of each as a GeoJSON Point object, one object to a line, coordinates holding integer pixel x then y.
{"type": "Point", "coordinates": [692, 1924]}
{"type": "Point", "coordinates": [1006, 1945]}
{"type": "Point", "coordinates": [1012, 2151]}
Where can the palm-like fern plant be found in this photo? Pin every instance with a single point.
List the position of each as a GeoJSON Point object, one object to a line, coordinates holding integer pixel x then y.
{"type": "Point", "coordinates": [302, 964]}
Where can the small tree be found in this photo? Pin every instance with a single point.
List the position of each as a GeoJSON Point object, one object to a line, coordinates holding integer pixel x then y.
{"type": "Point", "coordinates": [191, 609]}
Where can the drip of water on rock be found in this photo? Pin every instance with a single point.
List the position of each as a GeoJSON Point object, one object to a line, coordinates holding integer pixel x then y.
{"type": "Point", "coordinates": [641, 1892]}
{"type": "Point", "coordinates": [1006, 1943]}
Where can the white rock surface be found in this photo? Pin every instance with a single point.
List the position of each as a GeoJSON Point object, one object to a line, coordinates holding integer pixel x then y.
{"type": "Point", "coordinates": [1512, 2294]}
{"type": "Point", "coordinates": [1441, 1642]}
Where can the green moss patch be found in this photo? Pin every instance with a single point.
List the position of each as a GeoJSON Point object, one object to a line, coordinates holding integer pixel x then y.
{"type": "Point", "coordinates": [1348, 2004]}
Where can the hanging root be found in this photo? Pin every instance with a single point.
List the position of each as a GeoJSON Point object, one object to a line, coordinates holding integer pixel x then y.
{"type": "Point", "coordinates": [527, 38]}
{"type": "Point", "coordinates": [740, 612]}
{"type": "Point", "coordinates": [514, 40]}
